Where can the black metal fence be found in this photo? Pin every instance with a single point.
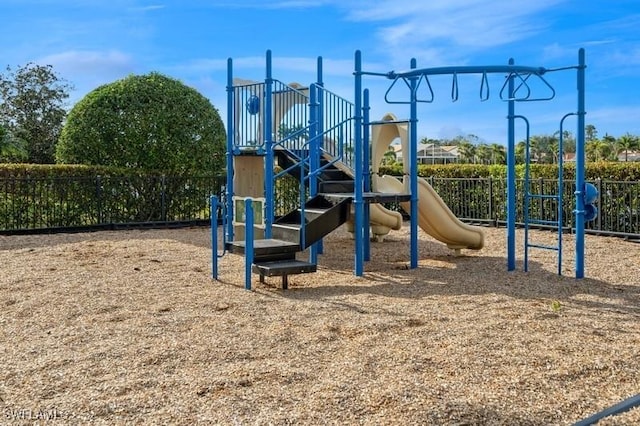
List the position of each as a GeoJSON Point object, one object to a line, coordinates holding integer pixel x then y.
{"type": "Point", "coordinates": [484, 200]}
{"type": "Point", "coordinates": [33, 204]}
{"type": "Point", "coordinates": [42, 205]}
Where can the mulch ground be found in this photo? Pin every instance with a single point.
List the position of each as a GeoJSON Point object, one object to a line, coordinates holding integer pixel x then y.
{"type": "Point", "coordinates": [128, 327]}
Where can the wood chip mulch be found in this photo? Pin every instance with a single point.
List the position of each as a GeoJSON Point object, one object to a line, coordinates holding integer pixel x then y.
{"type": "Point", "coordinates": [128, 328]}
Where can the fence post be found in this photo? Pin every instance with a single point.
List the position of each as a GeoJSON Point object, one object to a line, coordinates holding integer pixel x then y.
{"type": "Point", "coordinates": [213, 203]}
{"type": "Point", "coordinates": [599, 186]}
{"type": "Point", "coordinates": [491, 210]}
{"type": "Point", "coordinates": [99, 199]}
{"type": "Point", "coordinates": [163, 199]}
{"type": "Point", "coordinates": [540, 200]}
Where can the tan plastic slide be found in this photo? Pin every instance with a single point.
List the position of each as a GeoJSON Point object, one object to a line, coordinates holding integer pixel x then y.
{"type": "Point", "coordinates": [381, 219]}
{"type": "Point", "coordinates": [435, 218]}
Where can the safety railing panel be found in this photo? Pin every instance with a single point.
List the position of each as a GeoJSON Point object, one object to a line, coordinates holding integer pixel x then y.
{"type": "Point", "coordinates": [248, 115]}
{"type": "Point", "coordinates": [290, 116]}
{"type": "Point", "coordinates": [336, 127]}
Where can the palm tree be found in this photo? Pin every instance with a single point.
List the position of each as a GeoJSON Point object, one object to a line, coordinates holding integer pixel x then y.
{"type": "Point", "coordinates": [554, 149]}
{"type": "Point", "coordinates": [389, 157]}
{"type": "Point", "coordinates": [483, 152]}
{"type": "Point", "coordinates": [590, 132]}
{"type": "Point", "coordinates": [536, 148]}
{"type": "Point", "coordinates": [598, 150]}
{"type": "Point", "coordinates": [520, 152]}
{"type": "Point", "coordinates": [498, 153]}
{"type": "Point", "coordinates": [626, 143]}
{"type": "Point", "coordinates": [568, 143]}
{"type": "Point", "coordinates": [467, 152]}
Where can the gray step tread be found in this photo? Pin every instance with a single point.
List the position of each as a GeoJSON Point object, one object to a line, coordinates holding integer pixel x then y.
{"type": "Point", "coordinates": [265, 246]}
{"type": "Point", "coordinates": [284, 267]}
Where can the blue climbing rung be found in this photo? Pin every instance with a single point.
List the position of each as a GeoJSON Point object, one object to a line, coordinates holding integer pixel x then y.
{"type": "Point", "coordinates": [543, 246]}
{"type": "Point", "coordinates": [543, 222]}
{"type": "Point", "coordinates": [544, 196]}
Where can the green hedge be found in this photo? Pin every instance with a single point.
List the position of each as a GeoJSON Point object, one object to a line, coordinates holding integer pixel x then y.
{"type": "Point", "coordinates": [49, 196]}
{"type": "Point", "coordinates": [615, 171]}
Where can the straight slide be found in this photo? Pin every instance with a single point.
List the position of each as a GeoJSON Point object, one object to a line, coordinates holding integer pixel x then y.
{"type": "Point", "coordinates": [434, 217]}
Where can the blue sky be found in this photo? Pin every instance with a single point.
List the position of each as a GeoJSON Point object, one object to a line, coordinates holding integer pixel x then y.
{"type": "Point", "coordinates": [92, 42]}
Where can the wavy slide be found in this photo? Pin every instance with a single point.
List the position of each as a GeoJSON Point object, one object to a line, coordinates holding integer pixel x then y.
{"type": "Point", "coordinates": [381, 219]}
{"type": "Point", "coordinates": [434, 217]}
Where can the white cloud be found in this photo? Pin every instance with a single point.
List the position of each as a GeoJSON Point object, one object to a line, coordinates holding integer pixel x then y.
{"type": "Point", "coordinates": [283, 65]}
{"type": "Point", "coordinates": [86, 70]}
{"type": "Point", "coordinates": [95, 63]}
{"type": "Point", "coordinates": [149, 8]}
{"type": "Point", "coordinates": [281, 4]}
{"type": "Point", "coordinates": [450, 29]}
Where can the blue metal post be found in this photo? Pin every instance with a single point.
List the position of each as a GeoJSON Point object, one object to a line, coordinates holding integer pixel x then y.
{"type": "Point", "coordinates": [231, 131]}
{"type": "Point", "coordinates": [314, 145]}
{"type": "Point", "coordinates": [358, 199]}
{"type": "Point", "coordinates": [413, 176]}
{"type": "Point", "coordinates": [320, 126]}
{"type": "Point", "coordinates": [511, 176]}
{"type": "Point", "coordinates": [214, 236]}
{"type": "Point", "coordinates": [366, 238]}
{"type": "Point", "coordinates": [267, 114]}
{"type": "Point", "coordinates": [248, 241]}
{"type": "Point", "coordinates": [314, 157]}
{"type": "Point", "coordinates": [580, 165]}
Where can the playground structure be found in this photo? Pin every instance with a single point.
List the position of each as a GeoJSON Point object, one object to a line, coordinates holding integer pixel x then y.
{"type": "Point", "coordinates": [323, 140]}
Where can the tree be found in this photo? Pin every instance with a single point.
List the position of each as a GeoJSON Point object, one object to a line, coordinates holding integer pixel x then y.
{"type": "Point", "coordinates": [12, 149]}
{"type": "Point", "coordinates": [390, 157]}
{"type": "Point", "coordinates": [598, 150]}
{"type": "Point", "coordinates": [520, 152]}
{"type": "Point", "coordinates": [483, 152]}
{"type": "Point", "coordinates": [590, 132]}
{"type": "Point", "coordinates": [626, 143]}
{"type": "Point", "coordinates": [498, 153]}
{"type": "Point", "coordinates": [467, 152]}
{"type": "Point", "coordinates": [150, 122]}
{"type": "Point", "coordinates": [32, 108]}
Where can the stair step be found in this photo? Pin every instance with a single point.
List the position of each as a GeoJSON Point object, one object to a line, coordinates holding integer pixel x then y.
{"type": "Point", "coordinates": [330, 174]}
{"type": "Point", "coordinates": [264, 247]}
{"type": "Point", "coordinates": [283, 268]}
{"type": "Point", "coordinates": [294, 226]}
{"type": "Point", "coordinates": [338, 186]}
{"type": "Point", "coordinates": [313, 213]}
{"type": "Point", "coordinates": [287, 232]}
{"type": "Point", "coordinates": [328, 216]}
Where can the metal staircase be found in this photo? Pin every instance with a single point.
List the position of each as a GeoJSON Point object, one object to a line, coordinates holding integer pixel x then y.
{"type": "Point", "coordinates": [312, 131]}
{"type": "Point", "coordinates": [301, 227]}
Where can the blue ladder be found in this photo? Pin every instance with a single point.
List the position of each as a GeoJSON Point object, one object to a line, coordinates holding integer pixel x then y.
{"type": "Point", "coordinates": [542, 198]}
{"type": "Point", "coordinates": [542, 222]}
